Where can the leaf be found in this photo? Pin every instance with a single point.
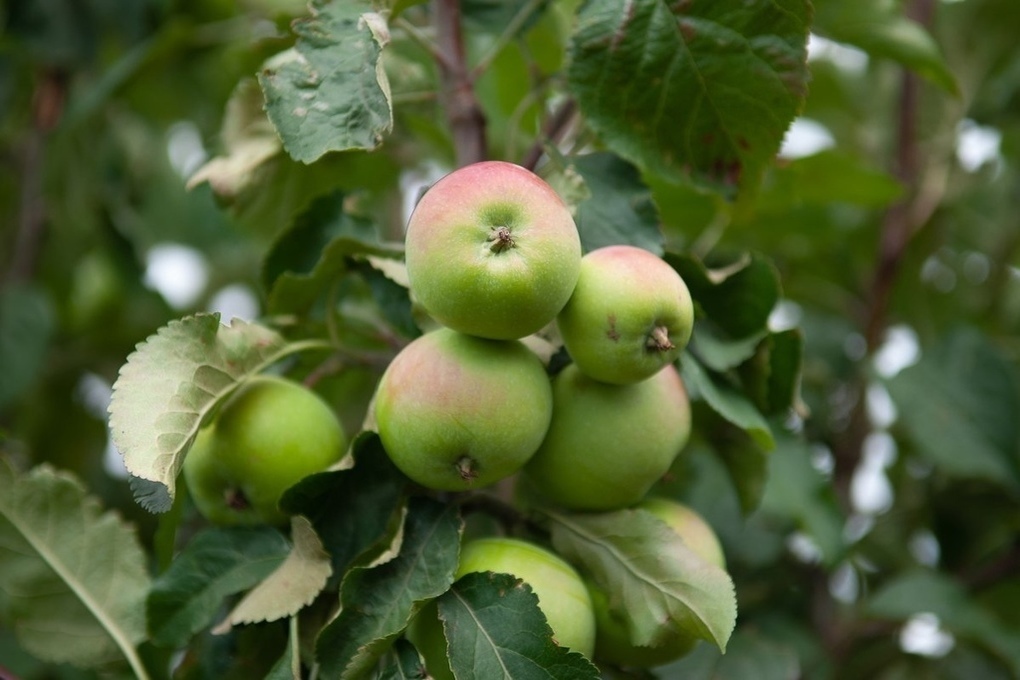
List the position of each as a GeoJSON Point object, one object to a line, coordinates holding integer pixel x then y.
{"type": "Point", "coordinates": [214, 564]}
{"type": "Point", "coordinates": [772, 376]}
{"type": "Point", "coordinates": [958, 404]}
{"type": "Point", "coordinates": [293, 586]}
{"type": "Point", "coordinates": [168, 389]}
{"type": "Point", "coordinates": [26, 325]}
{"type": "Point", "coordinates": [726, 401]}
{"type": "Point", "coordinates": [749, 655]}
{"type": "Point", "coordinates": [747, 463]}
{"type": "Point", "coordinates": [619, 209]}
{"type": "Point", "coordinates": [720, 353]}
{"type": "Point", "coordinates": [698, 90]}
{"type": "Point", "coordinates": [378, 602]}
{"type": "Point", "coordinates": [648, 572]}
{"type": "Point", "coordinates": [496, 630]}
{"type": "Point", "coordinates": [394, 299]}
{"type": "Point", "coordinates": [314, 253]}
{"type": "Point", "coordinates": [330, 92]}
{"type": "Point", "coordinates": [404, 663]}
{"type": "Point", "coordinates": [74, 578]}
{"type": "Point", "coordinates": [350, 509]}
{"type": "Point", "coordinates": [827, 177]}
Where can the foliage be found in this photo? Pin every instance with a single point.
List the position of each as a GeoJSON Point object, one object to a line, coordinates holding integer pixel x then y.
{"type": "Point", "coordinates": [853, 368]}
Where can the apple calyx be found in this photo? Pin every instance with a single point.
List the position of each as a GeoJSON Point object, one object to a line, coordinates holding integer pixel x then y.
{"type": "Point", "coordinates": [467, 468]}
{"type": "Point", "coordinates": [501, 239]}
{"type": "Point", "coordinates": [236, 500]}
{"type": "Point", "coordinates": [658, 340]}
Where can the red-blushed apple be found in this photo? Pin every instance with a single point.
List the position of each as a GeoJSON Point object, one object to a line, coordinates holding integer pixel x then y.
{"type": "Point", "coordinates": [455, 412]}
{"type": "Point", "coordinates": [492, 251]}
{"type": "Point", "coordinates": [562, 597]}
{"type": "Point", "coordinates": [269, 434]}
{"type": "Point", "coordinates": [630, 315]}
{"type": "Point", "coordinates": [608, 444]}
{"type": "Point", "coordinates": [612, 640]}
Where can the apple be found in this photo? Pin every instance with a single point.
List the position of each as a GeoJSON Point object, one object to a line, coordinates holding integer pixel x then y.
{"type": "Point", "coordinates": [562, 597]}
{"type": "Point", "coordinates": [608, 444]}
{"type": "Point", "coordinates": [270, 434]}
{"type": "Point", "coordinates": [612, 640]}
{"type": "Point", "coordinates": [629, 316]}
{"type": "Point", "coordinates": [492, 251]}
{"type": "Point", "coordinates": [455, 412]}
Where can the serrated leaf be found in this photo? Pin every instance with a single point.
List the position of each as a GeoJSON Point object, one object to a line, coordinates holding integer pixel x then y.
{"type": "Point", "coordinates": [169, 387]}
{"type": "Point", "coordinates": [404, 663]}
{"type": "Point", "coordinates": [700, 90]}
{"type": "Point", "coordinates": [294, 584]}
{"type": "Point", "coordinates": [378, 602]}
{"type": "Point", "coordinates": [74, 578]}
{"type": "Point", "coordinates": [496, 630]}
{"type": "Point", "coordinates": [959, 405]}
{"type": "Point", "coordinates": [330, 92]}
{"type": "Point", "coordinates": [214, 564]}
{"type": "Point", "coordinates": [351, 510]}
{"type": "Point", "coordinates": [726, 401]}
{"type": "Point", "coordinates": [26, 323]}
{"type": "Point", "coordinates": [619, 206]}
{"type": "Point", "coordinates": [648, 572]}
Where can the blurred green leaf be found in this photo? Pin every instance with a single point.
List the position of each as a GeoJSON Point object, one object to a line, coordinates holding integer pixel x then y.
{"type": "Point", "coordinates": [502, 634]}
{"type": "Point", "coordinates": [746, 461]}
{"type": "Point", "coordinates": [27, 323]}
{"type": "Point", "coordinates": [749, 655]}
{"type": "Point", "coordinates": [719, 353]}
{"type": "Point", "coordinates": [215, 563]}
{"type": "Point", "coordinates": [698, 91]}
{"type": "Point", "coordinates": [393, 298]}
{"type": "Point", "coordinates": [726, 401]}
{"type": "Point", "coordinates": [74, 577]}
{"type": "Point", "coordinates": [823, 178]}
{"type": "Point", "coordinates": [619, 208]}
{"type": "Point", "coordinates": [329, 92]}
{"type": "Point", "coordinates": [771, 377]}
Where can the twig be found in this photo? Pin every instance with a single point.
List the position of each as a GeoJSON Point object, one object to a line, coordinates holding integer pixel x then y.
{"type": "Point", "coordinates": [467, 121]}
{"type": "Point", "coordinates": [423, 41]}
{"type": "Point", "coordinates": [552, 133]}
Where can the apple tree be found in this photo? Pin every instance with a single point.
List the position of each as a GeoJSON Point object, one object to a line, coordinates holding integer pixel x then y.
{"type": "Point", "coordinates": [509, 339]}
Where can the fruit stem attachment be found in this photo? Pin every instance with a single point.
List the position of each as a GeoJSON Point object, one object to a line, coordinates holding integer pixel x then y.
{"type": "Point", "coordinates": [236, 499]}
{"type": "Point", "coordinates": [501, 239]}
{"type": "Point", "coordinates": [466, 468]}
{"type": "Point", "coordinates": [658, 340]}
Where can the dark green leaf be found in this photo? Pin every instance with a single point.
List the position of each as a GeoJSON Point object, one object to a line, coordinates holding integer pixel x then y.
{"type": "Point", "coordinates": [378, 602]}
{"type": "Point", "coordinates": [748, 655]}
{"type": "Point", "coordinates": [26, 324]}
{"type": "Point", "coordinates": [394, 300]}
{"type": "Point", "coordinates": [726, 401]}
{"type": "Point", "coordinates": [619, 208]}
{"type": "Point", "coordinates": [747, 463]}
{"type": "Point", "coordinates": [496, 15]}
{"type": "Point", "coordinates": [214, 564]}
{"type": "Point", "coordinates": [700, 90]}
{"type": "Point", "coordinates": [719, 353]}
{"type": "Point", "coordinates": [771, 377]}
{"type": "Point", "coordinates": [330, 93]}
{"type": "Point", "coordinates": [404, 663]}
{"type": "Point", "coordinates": [496, 631]}
{"type": "Point", "coordinates": [825, 178]}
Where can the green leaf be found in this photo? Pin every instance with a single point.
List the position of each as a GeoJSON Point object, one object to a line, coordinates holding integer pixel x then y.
{"type": "Point", "coordinates": [330, 93]}
{"type": "Point", "coordinates": [959, 405]}
{"type": "Point", "coordinates": [648, 572]}
{"type": "Point", "coordinates": [214, 564]}
{"type": "Point", "coordinates": [74, 578]}
{"type": "Point", "coordinates": [393, 298]}
{"type": "Point", "coordinates": [350, 509]}
{"type": "Point", "coordinates": [404, 663]}
{"type": "Point", "coordinates": [168, 389]}
{"type": "Point", "coordinates": [726, 401]}
{"type": "Point", "coordinates": [747, 463]}
{"type": "Point", "coordinates": [291, 587]}
{"type": "Point", "coordinates": [880, 29]}
{"type": "Point", "coordinates": [749, 655]}
{"type": "Point", "coordinates": [700, 91]}
{"type": "Point", "coordinates": [772, 376]}
{"type": "Point", "coordinates": [825, 178]}
{"type": "Point", "coordinates": [619, 208]}
{"type": "Point", "coordinates": [314, 253]}
{"type": "Point", "coordinates": [737, 298]}
{"type": "Point", "coordinates": [26, 325]}
{"type": "Point", "coordinates": [496, 630]}
{"type": "Point", "coordinates": [720, 353]}
{"type": "Point", "coordinates": [378, 602]}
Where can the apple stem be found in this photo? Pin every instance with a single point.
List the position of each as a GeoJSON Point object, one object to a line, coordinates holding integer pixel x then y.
{"type": "Point", "coordinates": [466, 468]}
{"type": "Point", "coordinates": [501, 239]}
{"type": "Point", "coordinates": [236, 499]}
{"type": "Point", "coordinates": [658, 340]}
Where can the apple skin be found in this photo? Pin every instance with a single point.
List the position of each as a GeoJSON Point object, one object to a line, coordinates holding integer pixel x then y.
{"type": "Point", "coordinates": [562, 597]}
{"type": "Point", "coordinates": [492, 251]}
{"type": "Point", "coordinates": [630, 315]}
{"type": "Point", "coordinates": [270, 434]}
{"type": "Point", "coordinates": [608, 444]}
{"type": "Point", "coordinates": [456, 412]}
{"type": "Point", "coordinates": [612, 642]}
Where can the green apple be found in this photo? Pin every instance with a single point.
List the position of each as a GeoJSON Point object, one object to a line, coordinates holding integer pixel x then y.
{"type": "Point", "coordinates": [492, 251]}
{"type": "Point", "coordinates": [630, 315]}
{"type": "Point", "coordinates": [608, 444]}
{"type": "Point", "coordinates": [455, 412]}
{"type": "Point", "coordinates": [612, 641]}
{"type": "Point", "coordinates": [268, 435]}
{"type": "Point", "coordinates": [562, 597]}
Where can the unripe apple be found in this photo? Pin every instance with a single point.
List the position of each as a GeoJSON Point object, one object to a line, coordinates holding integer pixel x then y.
{"type": "Point", "coordinates": [269, 434]}
{"type": "Point", "coordinates": [492, 251]}
{"type": "Point", "coordinates": [630, 315]}
{"type": "Point", "coordinates": [456, 412]}
{"type": "Point", "coordinates": [608, 444]}
{"type": "Point", "coordinates": [612, 641]}
{"type": "Point", "coordinates": [562, 597]}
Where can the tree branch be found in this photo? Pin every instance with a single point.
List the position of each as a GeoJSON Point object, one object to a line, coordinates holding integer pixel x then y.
{"type": "Point", "coordinates": [467, 121]}
{"type": "Point", "coordinates": [552, 133]}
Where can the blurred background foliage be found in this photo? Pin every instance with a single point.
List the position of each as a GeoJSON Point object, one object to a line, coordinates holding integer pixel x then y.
{"type": "Point", "coordinates": [888, 541]}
